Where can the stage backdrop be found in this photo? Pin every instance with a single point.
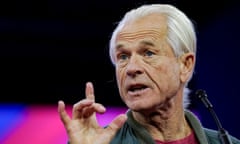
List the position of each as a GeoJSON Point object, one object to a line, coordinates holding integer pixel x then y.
{"type": "Point", "coordinates": [39, 124]}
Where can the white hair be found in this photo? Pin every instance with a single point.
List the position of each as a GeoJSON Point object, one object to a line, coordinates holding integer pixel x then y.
{"type": "Point", "coordinates": [181, 33]}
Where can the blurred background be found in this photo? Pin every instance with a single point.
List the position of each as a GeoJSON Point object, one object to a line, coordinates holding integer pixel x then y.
{"type": "Point", "coordinates": [49, 49]}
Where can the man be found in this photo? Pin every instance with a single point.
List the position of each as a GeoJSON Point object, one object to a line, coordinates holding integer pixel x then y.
{"type": "Point", "coordinates": [153, 49]}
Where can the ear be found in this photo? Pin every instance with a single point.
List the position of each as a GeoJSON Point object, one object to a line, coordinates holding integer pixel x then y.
{"type": "Point", "coordinates": [187, 62]}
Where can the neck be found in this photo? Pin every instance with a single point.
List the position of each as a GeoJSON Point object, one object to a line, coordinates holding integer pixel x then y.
{"type": "Point", "coordinates": [165, 123]}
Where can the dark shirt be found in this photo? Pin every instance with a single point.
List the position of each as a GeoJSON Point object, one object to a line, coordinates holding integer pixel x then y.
{"type": "Point", "coordinates": [134, 133]}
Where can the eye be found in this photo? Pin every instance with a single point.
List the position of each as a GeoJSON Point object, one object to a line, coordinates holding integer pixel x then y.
{"type": "Point", "coordinates": [149, 53]}
{"type": "Point", "coordinates": [123, 56]}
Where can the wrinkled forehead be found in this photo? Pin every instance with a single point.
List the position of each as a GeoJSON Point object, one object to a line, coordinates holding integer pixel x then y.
{"type": "Point", "coordinates": [153, 24]}
{"type": "Point", "coordinates": [151, 27]}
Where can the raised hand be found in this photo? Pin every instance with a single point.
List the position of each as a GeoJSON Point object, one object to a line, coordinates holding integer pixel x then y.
{"type": "Point", "coordinates": [82, 127]}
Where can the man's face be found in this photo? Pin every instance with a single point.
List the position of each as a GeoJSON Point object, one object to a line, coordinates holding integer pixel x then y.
{"type": "Point", "coordinates": [148, 73]}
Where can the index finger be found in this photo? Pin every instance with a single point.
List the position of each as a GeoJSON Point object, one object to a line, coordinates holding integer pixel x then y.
{"type": "Point", "coordinates": [89, 91]}
{"type": "Point", "coordinates": [63, 114]}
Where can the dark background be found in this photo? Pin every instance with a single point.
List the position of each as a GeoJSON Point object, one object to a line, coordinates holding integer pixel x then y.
{"type": "Point", "coordinates": [49, 49]}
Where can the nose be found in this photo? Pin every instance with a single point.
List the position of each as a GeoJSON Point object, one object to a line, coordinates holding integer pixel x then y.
{"type": "Point", "coordinates": [134, 67]}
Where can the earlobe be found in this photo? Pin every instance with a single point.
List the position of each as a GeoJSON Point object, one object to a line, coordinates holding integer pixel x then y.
{"type": "Point", "coordinates": [187, 66]}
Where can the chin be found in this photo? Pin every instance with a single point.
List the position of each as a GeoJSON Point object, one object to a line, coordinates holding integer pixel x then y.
{"type": "Point", "coordinates": [139, 107]}
{"type": "Point", "coordinates": [134, 106]}
{"type": "Point", "coordinates": [146, 107]}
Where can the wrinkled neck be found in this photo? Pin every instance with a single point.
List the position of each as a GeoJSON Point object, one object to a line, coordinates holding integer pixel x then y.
{"type": "Point", "coordinates": [166, 122]}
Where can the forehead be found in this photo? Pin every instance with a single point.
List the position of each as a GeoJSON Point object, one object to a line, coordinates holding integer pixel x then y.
{"type": "Point", "coordinates": [152, 26]}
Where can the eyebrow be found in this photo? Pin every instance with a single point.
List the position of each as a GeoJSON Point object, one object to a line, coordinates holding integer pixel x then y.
{"type": "Point", "coordinates": [147, 42]}
{"type": "Point", "coordinates": [118, 46]}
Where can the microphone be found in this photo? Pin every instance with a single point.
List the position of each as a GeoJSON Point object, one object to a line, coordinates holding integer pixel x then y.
{"type": "Point", "coordinates": [223, 134]}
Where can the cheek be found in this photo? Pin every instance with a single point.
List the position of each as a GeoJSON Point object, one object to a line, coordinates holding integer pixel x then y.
{"type": "Point", "coordinates": [119, 74]}
{"type": "Point", "coordinates": [174, 77]}
{"type": "Point", "coordinates": [120, 78]}
{"type": "Point", "coordinates": [166, 74]}
{"type": "Point", "coordinates": [173, 73]}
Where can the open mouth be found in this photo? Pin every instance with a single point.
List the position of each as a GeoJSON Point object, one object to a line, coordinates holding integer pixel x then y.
{"type": "Point", "coordinates": [135, 88]}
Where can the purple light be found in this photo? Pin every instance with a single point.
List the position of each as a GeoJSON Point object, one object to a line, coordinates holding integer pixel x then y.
{"type": "Point", "coordinates": [41, 124]}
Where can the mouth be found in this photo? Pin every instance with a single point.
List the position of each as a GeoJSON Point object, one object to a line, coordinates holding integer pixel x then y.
{"type": "Point", "coordinates": [136, 88]}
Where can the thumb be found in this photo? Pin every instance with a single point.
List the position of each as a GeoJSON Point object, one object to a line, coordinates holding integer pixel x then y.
{"type": "Point", "coordinates": [117, 123]}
